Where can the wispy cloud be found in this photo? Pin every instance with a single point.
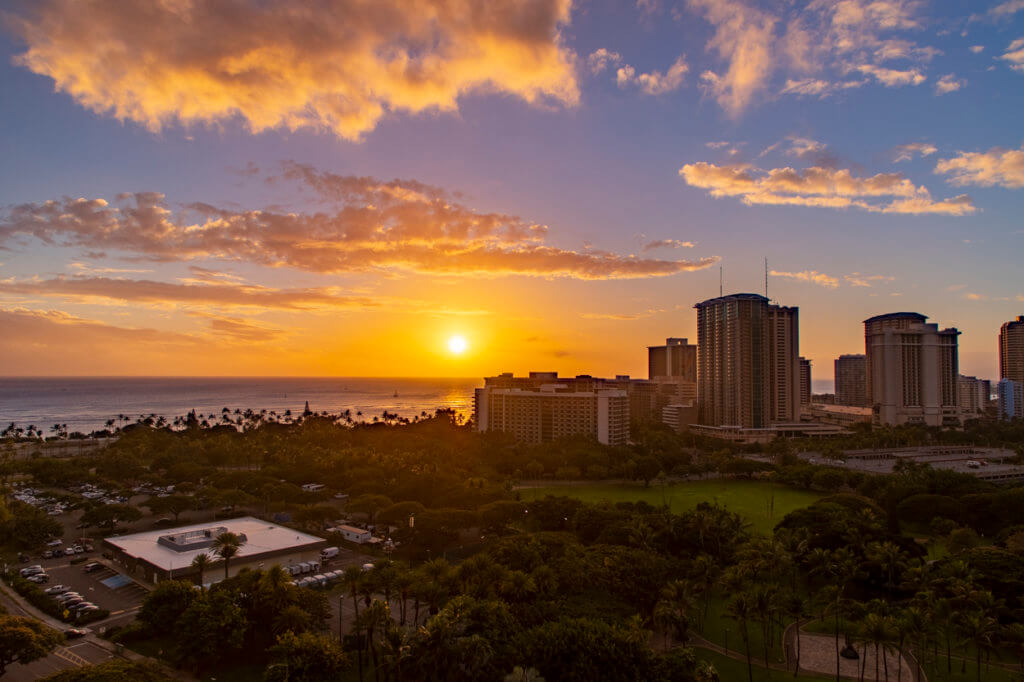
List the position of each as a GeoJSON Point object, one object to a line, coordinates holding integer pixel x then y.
{"type": "Point", "coordinates": [1014, 55]}
{"type": "Point", "coordinates": [812, 276]}
{"type": "Point", "coordinates": [667, 244]}
{"type": "Point", "coordinates": [621, 316]}
{"type": "Point", "coordinates": [906, 152]}
{"type": "Point", "coordinates": [996, 167]}
{"type": "Point", "coordinates": [949, 83]}
{"type": "Point", "coordinates": [600, 59]}
{"type": "Point", "coordinates": [654, 82]}
{"type": "Point", "coordinates": [821, 187]}
{"type": "Point", "coordinates": [374, 224]}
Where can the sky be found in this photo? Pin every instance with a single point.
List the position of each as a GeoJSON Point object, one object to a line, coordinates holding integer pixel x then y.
{"type": "Point", "coordinates": [340, 187]}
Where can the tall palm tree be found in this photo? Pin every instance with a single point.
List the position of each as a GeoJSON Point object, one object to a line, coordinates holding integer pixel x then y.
{"type": "Point", "coordinates": [876, 631]}
{"type": "Point", "coordinates": [201, 563]}
{"type": "Point", "coordinates": [226, 546]}
{"type": "Point", "coordinates": [740, 609]}
{"type": "Point", "coordinates": [979, 630]}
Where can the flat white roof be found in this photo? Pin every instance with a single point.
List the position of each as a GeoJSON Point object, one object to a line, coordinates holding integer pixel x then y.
{"type": "Point", "coordinates": [261, 537]}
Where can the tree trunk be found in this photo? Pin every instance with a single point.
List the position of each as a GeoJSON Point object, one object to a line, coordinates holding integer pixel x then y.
{"type": "Point", "coordinates": [746, 642]}
{"type": "Point", "coordinates": [837, 642]}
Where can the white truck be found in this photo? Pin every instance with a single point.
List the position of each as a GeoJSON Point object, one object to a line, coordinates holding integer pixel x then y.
{"type": "Point", "coordinates": [329, 553]}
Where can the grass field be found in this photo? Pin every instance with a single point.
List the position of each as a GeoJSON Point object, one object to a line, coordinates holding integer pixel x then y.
{"type": "Point", "coordinates": [761, 503]}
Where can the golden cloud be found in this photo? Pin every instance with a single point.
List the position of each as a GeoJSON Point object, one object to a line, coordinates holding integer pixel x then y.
{"type": "Point", "coordinates": [160, 293]}
{"type": "Point", "coordinates": [372, 224]}
{"type": "Point", "coordinates": [822, 187]}
{"type": "Point", "coordinates": [337, 65]}
{"type": "Point", "coordinates": [1002, 167]}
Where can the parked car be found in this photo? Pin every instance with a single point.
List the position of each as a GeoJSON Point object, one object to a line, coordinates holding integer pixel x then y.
{"type": "Point", "coordinates": [54, 543]}
{"type": "Point", "coordinates": [38, 578]}
{"type": "Point", "coordinates": [68, 551]}
{"type": "Point", "coordinates": [75, 633]}
{"type": "Point", "coordinates": [77, 549]}
{"type": "Point", "coordinates": [92, 566]}
{"type": "Point", "coordinates": [57, 589]}
{"type": "Point", "coordinates": [68, 596]}
{"type": "Point", "coordinates": [82, 606]}
{"type": "Point", "coordinates": [31, 570]}
{"type": "Point", "coordinates": [68, 603]}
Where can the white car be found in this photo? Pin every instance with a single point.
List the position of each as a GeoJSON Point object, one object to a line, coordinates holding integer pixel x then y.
{"type": "Point", "coordinates": [38, 578]}
{"type": "Point", "coordinates": [56, 589]}
{"type": "Point", "coordinates": [54, 543]}
{"type": "Point", "coordinates": [35, 569]}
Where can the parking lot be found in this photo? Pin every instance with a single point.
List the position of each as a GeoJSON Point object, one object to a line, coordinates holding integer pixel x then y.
{"type": "Point", "coordinates": [121, 601]}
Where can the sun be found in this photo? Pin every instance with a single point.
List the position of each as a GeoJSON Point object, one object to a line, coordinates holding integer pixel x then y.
{"type": "Point", "coordinates": [457, 345]}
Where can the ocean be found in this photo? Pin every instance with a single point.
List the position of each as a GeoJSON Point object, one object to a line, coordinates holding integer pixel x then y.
{"type": "Point", "coordinates": [85, 404]}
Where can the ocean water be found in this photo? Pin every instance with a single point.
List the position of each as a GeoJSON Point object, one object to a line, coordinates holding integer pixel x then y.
{"type": "Point", "coordinates": [85, 404]}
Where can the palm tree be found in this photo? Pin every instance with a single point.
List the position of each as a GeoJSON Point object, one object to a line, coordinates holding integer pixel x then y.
{"type": "Point", "coordinates": [201, 563]}
{"type": "Point", "coordinates": [876, 631]}
{"type": "Point", "coordinates": [979, 629]}
{"type": "Point", "coordinates": [740, 609]}
{"type": "Point", "coordinates": [226, 546]}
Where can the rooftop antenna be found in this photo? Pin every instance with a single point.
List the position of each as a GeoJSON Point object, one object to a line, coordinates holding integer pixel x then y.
{"type": "Point", "coordinates": [766, 277]}
{"type": "Point", "coordinates": [721, 282]}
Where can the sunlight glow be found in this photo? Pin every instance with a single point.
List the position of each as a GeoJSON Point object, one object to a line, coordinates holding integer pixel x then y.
{"type": "Point", "coordinates": [457, 345]}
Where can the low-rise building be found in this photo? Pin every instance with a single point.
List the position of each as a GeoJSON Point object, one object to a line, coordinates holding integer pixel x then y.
{"type": "Point", "coordinates": [158, 555]}
{"type": "Point", "coordinates": [552, 410]}
{"type": "Point", "coordinates": [360, 536]}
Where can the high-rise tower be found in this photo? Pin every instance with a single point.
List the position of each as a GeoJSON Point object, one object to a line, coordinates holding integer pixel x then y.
{"type": "Point", "coordinates": [1011, 350]}
{"type": "Point", "coordinates": [748, 371]}
{"type": "Point", "coordinates": [912, 370]}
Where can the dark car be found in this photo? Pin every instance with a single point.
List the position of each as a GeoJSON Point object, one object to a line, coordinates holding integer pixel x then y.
{"type": "Point", "coordinates": [75, 633]}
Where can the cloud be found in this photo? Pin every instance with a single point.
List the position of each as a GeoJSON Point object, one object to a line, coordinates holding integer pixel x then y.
{"type": "Point", "coordinates": [337, 65]}
{"type": "Point", "coordinates": [1007, 8]}
{"type": "Point", "coordinates": [655, 82]}
{"type": "Point", "coordinates": [717, 145]}
{"type": "Point", "coordinates": [239, 329]}
{"type": "Point", "coordinates": [906, 152]}
{"type": "Point", "coordinates": [814, 45]}
{"type": "Point", "coordinates": [1015, 55]}
{"type": "Point", "coordinates": [743, 37]}
{"type": "Point", "coordinates": [621, 316]}
{"type": "Point", "coordinates": [859, 280]}
{"type": "Point", "coordinates": [667, 244]}
{"type": "Point", "coordinates": [812, 276]}
{"type": "Point", "coordinates": [601, 58]}
{"type": "Point", "coordinates": [807, 87]}
{"type": "Point", "coordinates": [996, 167]}
{"type": "Point", "coordinates": [949, 83]}
{"type": "Point", "coordinates": [821, 187]}
{"type": "Point", "coordinates": [892, 78]}
{"type": "Point", "coordinates": [370, 225]}
{"type": "Point", "coordinates": [978, 49]}
{"type": "Point", "coordinates": [229, 295]}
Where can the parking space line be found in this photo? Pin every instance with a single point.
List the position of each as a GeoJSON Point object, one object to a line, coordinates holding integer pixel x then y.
{"type": "Point", "coordinates": [70, 656]}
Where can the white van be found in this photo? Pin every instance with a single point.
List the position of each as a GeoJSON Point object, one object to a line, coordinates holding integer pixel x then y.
{"type": "Point", "coordinates": [329, 553]}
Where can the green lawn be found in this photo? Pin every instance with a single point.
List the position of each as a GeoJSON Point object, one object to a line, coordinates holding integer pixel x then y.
{"type": "Point", "coordinates": [724, 631]}
{"type": "Point", "coordinates": [761, 503]}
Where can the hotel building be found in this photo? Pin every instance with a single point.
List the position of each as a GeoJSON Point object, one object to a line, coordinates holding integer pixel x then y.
{"type": "Point", "coordinates": [748, 370]}
{"type": "Point", "coordinates": [912, 370]}
{"type": "Point", "coordinates": [851, 377]}
{"type": "Point", "coordinates": [541, 408]}
{"type": "Point", "coordinates": [1011, 350]}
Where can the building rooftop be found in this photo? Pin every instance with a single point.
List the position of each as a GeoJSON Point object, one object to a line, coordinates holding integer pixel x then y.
{"type": "Point", "coordinates": [897, 316]}
{"type": "Point", "coordinates": [177, 547]}
{"type": "Point", "coordinates": [731, 297]}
